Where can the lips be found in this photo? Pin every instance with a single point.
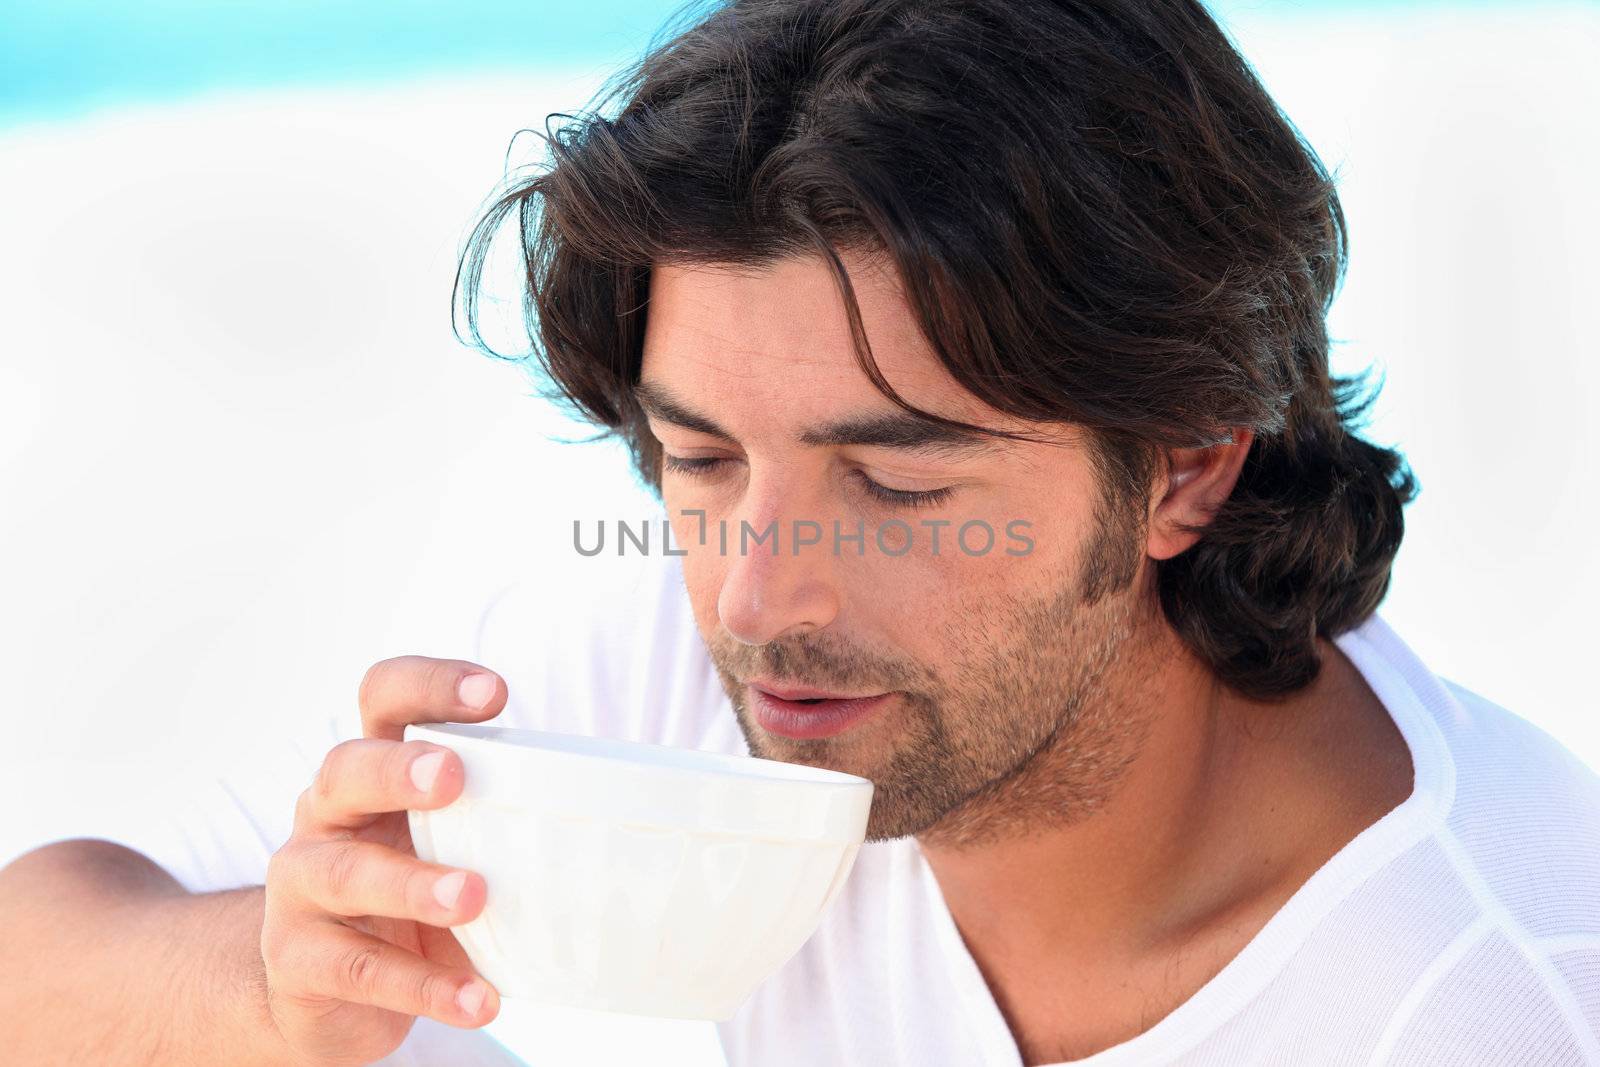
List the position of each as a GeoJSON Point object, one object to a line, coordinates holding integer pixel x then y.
{"type": "Point", "coordinates": [802, 692]}
{"type": "Point", "coordinates": [803, 712]}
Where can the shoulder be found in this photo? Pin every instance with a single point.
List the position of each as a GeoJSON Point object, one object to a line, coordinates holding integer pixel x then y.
{"type": "Point", "coordinates": [1523, 831]}
{"type": "Point", "coordinates": [1485, 730]}
{"type": "Point", "coordinates": [1518, 813]}
{"type": "Point", "coordinates": [1483, 733]}
{"type": "Point", "coordinates": [1511, 816]}
{"type": "Point", "coordinates": [1493, 997]}
{"type": "Point", "coordinates": [1526, 812]}
{"type": "Point", "coordinates": [607, 646]}
{"type": "Point", "coordinates": [1520, 828]}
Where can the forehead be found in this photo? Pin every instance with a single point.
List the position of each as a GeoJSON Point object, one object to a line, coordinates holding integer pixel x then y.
{"type": "Point", "coordinates": [780, 334]}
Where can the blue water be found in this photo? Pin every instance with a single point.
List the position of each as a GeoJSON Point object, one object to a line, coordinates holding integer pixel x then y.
{"type": "Point", "coordinates": [59, 58]}
{"type": "Point", "coordinates": [62, 57]}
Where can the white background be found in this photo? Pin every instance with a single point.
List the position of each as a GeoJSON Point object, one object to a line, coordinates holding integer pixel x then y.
{"type": "Point", "coordinates": [242, 458]}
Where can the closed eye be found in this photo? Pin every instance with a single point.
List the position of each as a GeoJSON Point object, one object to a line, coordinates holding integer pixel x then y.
{"type": "Point", "coordinates": [910, 498]}
{"type": "Point", "coordinates": [683, 465]}
{"type": "Point", "coordinates": [922, 498]}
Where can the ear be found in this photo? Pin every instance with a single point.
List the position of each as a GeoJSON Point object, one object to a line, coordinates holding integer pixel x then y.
{"type": "Point", "coordinates": [1193, 487]}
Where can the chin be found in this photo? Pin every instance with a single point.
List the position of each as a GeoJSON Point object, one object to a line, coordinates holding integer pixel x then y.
{"type": "Point", "coordinates": [826, 753]}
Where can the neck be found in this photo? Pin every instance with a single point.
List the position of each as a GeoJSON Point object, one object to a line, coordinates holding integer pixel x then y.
{"type": "Point", "coordinates": [1109, 871]}
{"type": "Point", "coordinates": [1224, 804]}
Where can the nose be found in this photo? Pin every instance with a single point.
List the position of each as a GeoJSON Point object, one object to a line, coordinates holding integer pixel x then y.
{"type": "Point", "coordinates": [769, 589]}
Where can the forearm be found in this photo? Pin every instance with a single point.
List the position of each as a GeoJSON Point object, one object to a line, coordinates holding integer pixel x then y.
{"type": "Point", "coordinates": [105, 959]}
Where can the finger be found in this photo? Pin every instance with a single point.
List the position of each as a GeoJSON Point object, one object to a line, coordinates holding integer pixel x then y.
{"type": "Point", "coordinates": [333, 961]}
{"type": "Point", "coordinates": [407, 689]}
{"type": "Point", "coordinates": [363, 778]}
{"type": "Point", "coordinates": [354, 877]}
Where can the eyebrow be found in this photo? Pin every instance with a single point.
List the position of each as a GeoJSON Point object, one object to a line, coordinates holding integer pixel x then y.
{"type": "Point", "coordinates": [898, 430]}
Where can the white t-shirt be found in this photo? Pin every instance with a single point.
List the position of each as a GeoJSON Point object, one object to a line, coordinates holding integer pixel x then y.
{"type": "Point", "coordinates": [1463, 927]}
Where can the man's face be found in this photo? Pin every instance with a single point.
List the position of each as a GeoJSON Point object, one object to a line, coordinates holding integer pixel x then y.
{"type": "Point", "coordinates": [996, 662]}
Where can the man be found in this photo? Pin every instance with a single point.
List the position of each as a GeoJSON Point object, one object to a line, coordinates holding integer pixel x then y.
{"type": "Point", "coordinates": [977, 352]}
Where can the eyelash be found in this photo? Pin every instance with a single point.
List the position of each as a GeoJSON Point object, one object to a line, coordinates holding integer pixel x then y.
{"type": "Point", "coordinates": [926, 498]}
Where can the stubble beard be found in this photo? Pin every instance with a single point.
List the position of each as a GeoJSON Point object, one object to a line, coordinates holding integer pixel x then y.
{"type": "Point", "coordinates": [1039, 737]}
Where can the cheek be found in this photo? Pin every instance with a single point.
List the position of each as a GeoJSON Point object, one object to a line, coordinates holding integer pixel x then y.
{"type": "Point", "coordinates": [924, 604]}
{"type": "Point", "coordinates": [686, 529]}
{"type": "Point", "coordinates": [966, 560]}
{"type": "Point", "coordinates": [950, 608]}
{"type": "Point", "coordinates": [705, 572]}
{"type": "Point", "coordinates": [702, 578]}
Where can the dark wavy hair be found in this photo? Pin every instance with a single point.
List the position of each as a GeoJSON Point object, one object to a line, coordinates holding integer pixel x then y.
{"type": "Point", "coordinates": [1097, 212]}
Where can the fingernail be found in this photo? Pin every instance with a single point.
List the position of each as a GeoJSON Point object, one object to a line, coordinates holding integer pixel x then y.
{"type": "Point", "coordinates": [424, 769]}
{"type": "Point", "coordinates": [447, 890]}
{"type": "Point", "coordinates": [476, 690]}
{"type": "Point", "coordinates": [470, 999]}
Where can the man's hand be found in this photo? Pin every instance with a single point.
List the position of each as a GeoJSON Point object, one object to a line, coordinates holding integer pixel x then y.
{"type": "Point", "coordinates": [355, 934]}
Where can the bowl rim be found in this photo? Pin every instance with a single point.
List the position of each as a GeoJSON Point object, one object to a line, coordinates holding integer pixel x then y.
{"type": "Point", "coordinates": [632, 752]}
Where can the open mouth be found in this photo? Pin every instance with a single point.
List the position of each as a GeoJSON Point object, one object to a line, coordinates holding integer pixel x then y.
{"type": "Point", "coordinates": [811, 716]}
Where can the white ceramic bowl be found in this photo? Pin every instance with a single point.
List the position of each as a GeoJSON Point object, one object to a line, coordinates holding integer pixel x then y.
{"type": "Point", "coordinates": [634, 877]}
